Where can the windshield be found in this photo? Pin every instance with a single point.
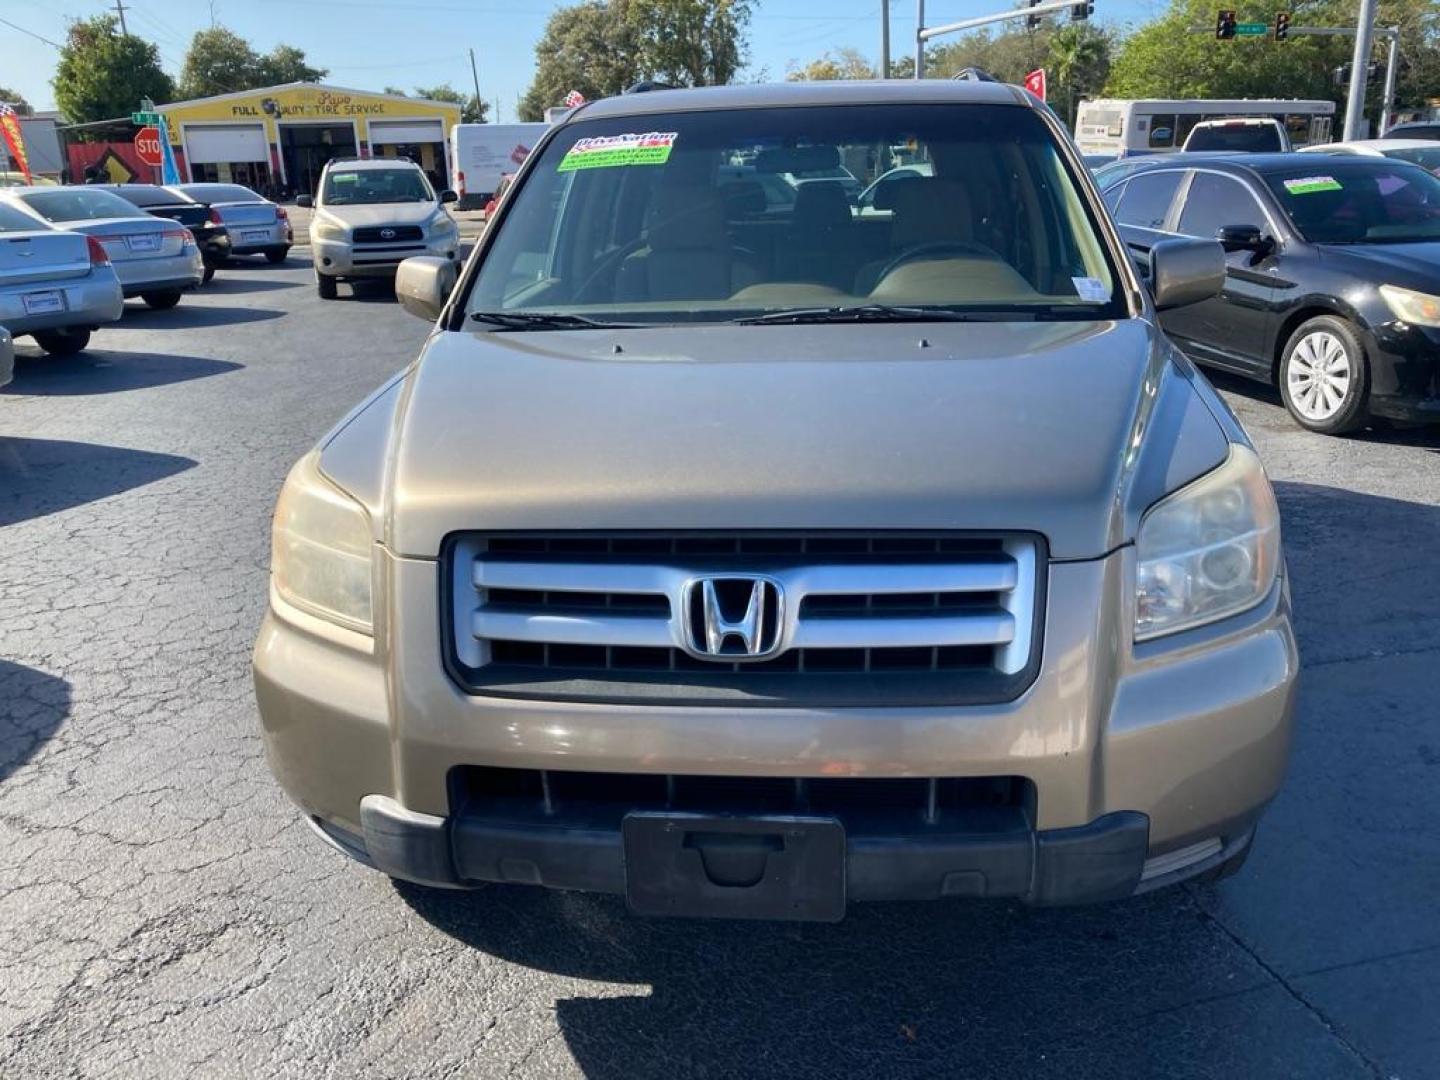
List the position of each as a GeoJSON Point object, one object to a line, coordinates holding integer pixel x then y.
{"type": "Point", "coordinates": [220, 193]}
{"type": "Point", "coordinates": [350, 187]}
{"type": "Point", "coordinates": [1427, 156]}
{"type": "Point", "coordinates": [1241, 138]}
{"type": "Point", "coordinates": [79, 204]}
{"type": "Point", "coordinates": [1357, 201]}
{"type": "Point", "coordinates": [672, 218]}
{"type": "Point", "coordinates": [147, 195]}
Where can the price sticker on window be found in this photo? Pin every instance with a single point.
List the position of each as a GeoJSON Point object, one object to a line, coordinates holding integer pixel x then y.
{"type": "Point", "coordinates": [612, 151]}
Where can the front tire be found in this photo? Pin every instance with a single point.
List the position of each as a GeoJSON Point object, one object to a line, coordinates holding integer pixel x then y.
{"type": "Point", "coordinates": [62, 342]}
{"type": "Point", "coordinates": [162, 300]}
{"type": "Point", "coordinates": [1324, 378]}
{"type": "Point", "coordinates": [326, 287]}
{"type": "Point", "coordinates": [207, 274]}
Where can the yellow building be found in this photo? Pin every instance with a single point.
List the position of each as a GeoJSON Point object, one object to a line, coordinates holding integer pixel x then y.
{"type": "Point", "coordinates": [277, 139]}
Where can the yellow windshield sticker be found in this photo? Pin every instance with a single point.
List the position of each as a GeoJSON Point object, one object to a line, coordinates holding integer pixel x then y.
{"type": "Point", "coordinates": [1304, 185]}
{"type": "Point", "coordinates": [609, 151]}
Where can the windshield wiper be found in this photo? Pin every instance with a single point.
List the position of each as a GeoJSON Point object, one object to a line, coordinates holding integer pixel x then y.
{"type": "Point", "coordinates": [863, 313]}
{"type": "Point", "coordinates": [542, 320]}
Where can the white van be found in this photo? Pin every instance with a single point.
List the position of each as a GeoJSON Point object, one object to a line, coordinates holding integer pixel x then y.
{"type": "Point", "coordinates": [479, 153]}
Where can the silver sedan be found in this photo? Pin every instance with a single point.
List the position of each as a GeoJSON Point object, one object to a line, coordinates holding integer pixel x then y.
{"type": "Point", "coordinates": [56, 286]}
{"type": "Point", "coordinates": [256, 225]}
{"type": "Point", "coordinates": [155, 258]}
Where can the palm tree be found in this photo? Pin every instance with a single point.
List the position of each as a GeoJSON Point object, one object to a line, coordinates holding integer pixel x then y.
{"type": "Point", "coordinates": [1079, 60]}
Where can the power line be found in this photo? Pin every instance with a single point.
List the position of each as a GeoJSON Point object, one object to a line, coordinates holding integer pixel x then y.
{"type": "Point", "coordinates": [37, 37]}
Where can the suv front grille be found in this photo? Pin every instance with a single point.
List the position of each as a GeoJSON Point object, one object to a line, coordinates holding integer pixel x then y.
{"type": "Point", "coordinates": [371, 234]}
{"type": "Point", "coordinates": [856, 618]}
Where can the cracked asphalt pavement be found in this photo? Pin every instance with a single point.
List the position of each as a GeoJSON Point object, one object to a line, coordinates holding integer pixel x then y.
{"type": "Point", "coordinates": [164, 913]}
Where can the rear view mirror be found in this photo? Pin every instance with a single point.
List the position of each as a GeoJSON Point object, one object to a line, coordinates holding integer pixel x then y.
{"type": "Point", "coordinates": [1185, 272]}
{"type": "Point", "coordinates": [304, 201]}
{"type": "Point", "coordinates": [423, 283]}
{"type": "Point", "coordinates": [797, 159]}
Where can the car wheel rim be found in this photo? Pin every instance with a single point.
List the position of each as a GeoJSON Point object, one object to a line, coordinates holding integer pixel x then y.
{"type": "Point", "coordinates": [1318, 375]}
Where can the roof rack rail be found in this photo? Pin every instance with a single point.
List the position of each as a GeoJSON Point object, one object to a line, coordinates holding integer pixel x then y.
{"type": "Point", "coordinates": [644, 86]}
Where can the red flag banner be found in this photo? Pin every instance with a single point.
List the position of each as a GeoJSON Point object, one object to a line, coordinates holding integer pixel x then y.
{"type": "Point", "coordinates": [1035, 83]}
{"type": "Point", "coordinates": [14, 140]}
{"type": "Point", "coordinates": [574, 99]}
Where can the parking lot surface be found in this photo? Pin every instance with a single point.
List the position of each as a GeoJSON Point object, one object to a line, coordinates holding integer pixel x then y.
{"type": "Point", "coordinates": [165, 913]}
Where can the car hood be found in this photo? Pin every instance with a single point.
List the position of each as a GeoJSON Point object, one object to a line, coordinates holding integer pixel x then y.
{"type": "Point", "coordinates": [1066, 429]}
{"type": "Point", "coordinates": [380, 214]}
{"type": "Point", "coordinates": [1412, 266]}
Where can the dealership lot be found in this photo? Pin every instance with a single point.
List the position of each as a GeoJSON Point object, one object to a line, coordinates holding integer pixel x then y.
{"type": "Point", "coordinates": [167, 914]}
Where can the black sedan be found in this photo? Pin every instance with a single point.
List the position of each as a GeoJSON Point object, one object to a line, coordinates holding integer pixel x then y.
{"type": "Point", "coordinates": [204, 224]}
{"type": "Point", "coordinates": [1333, 283]}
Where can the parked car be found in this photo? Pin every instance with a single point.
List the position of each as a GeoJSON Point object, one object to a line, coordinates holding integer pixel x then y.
{"type": "Point", "coordinates": [667, 571]}
{"type": "Point", "coordinates": [154, 259]}
{"type": "Point", "coordinates": [501, 186]}
{"type": "Point", "coordinates": [1415, 129]}
{"type": "Point", "coordinates": [203, 222]}
{"type": "Point", "coordinates": [369, 215]}
{"type": "Point", "coordinates": [56, 286]}
{"type": "Point", "coordinates": [880, 194]}
{"type": "Point", "coordinates": [1332, 287]}
{"type": "Point", "coordinates": [1111, 173]}
{"type": "Point", "coordinates": [1424, 152]}
{"type": "Point", "coordinates": [254, 224]}
{"type": "Point", "coordinates": [1239, 134]}
{"type": "Point", "coordinates": [7, 357]}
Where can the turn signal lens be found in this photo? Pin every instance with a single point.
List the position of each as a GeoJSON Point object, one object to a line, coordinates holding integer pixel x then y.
{"type": "Point", "coordinates": [98, 255]}
{"type": "Point", "coordinates": [1418, 308]}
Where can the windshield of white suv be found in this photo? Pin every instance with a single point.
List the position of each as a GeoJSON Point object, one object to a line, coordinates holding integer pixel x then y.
{"type": "Point", "coordinates": [672, 218]}
{"type": "Point", "coordinates": [1238, 138]}
{"type": "Point", "coordinates": [351, 187]}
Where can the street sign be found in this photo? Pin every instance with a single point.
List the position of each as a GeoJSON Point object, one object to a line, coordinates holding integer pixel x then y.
{"type": "Point", "coordinates": [144, 119]}
{"type": "Point", "coordinates": [147, 146]}
{"type": "Point", "coordinates": [1252, 29]}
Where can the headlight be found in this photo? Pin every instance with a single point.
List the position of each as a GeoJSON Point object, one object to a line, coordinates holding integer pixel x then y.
{"type": "Point", "coordinates": [1419, 308]}
{"type": "Point", "coordinates": [320, 548]}
{"type": "Point", "coordinates": [325, 230]}
{"type": "Point", "coordinates": [1210, 550]}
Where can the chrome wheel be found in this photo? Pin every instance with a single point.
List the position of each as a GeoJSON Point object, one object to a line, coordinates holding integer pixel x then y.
{"type": "Point", "coordinates": [1317, 375]}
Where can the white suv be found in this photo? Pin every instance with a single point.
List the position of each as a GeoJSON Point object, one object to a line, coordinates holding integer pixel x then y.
{"type": "Point", "coordinates": [371, 214]}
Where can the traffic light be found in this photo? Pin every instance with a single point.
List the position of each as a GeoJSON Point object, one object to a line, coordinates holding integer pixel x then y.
{"type": "Point", "coordinates": [1225, 25]}
{"type": "Point", "coordinates": [1033, 21]}
{"type": "Point", "coordinates": [1282, 25]}
{"type": "Point", "coordinates": [1080, 12]}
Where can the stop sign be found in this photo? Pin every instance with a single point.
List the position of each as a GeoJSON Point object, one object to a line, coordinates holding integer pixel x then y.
{"type": "Point", "coordinates": [147, 145]}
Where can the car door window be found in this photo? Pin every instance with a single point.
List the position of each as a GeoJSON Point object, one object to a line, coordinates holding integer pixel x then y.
{"type": "Point", "coordinates": [1214, 201]}
{"type": "Point", "coordinates": [1147, 199]}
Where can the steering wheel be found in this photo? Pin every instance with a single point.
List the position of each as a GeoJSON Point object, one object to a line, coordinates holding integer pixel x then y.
{"type": "Point", "coordinates": [937, 247]}
{"type": "Point", "coordinates": [607, 264]}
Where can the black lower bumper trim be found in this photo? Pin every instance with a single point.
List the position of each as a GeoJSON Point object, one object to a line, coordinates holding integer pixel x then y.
{"type": "Point", "coordinates": [1091, 863]}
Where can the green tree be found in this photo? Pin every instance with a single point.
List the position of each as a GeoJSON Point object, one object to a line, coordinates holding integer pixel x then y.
{"type": "Point", "coordinates": [690, 42]}
{"type": "Point", "coordinates": [1077, 64]}
{"type": "Point", "coordinates": [16, 99]}
{"type": "Point", "coordinates": [220, 61]}
{"type": "Point", "coordinates": [394, 90]}
{"type": "Point", "coordinates": [472, 109]}
{"type": "Point", "coordinates": [841, 64]}
{"type": "Point", "coordinates": [103, 74]}
{"type": "Point", "coordinates": [589, 47]}
{"type": "Point", "coordinates": [1007, 55]}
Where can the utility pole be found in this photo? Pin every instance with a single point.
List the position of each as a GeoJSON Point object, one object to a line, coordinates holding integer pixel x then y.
{"type": "Point", "coordinates": [1387, 101]}
{"type": "Point", "coordinates": [884, 39]}
{"type": "Point", "coordinates": [1359, 71]}
{"type": "Point", "coordinates": [120, 10]}
{"type": "Point", "coordinates": [476, 76]}
{"type": "Point", "coordinates": [919, 39]}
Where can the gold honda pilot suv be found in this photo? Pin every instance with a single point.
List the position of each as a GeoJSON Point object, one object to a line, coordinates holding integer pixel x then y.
{"type": "Point", "coordinates": [747, 551]}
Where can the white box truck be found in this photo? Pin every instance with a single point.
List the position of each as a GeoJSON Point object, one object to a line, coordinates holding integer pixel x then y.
{"type": "Point", "coordinates": [480, 153]}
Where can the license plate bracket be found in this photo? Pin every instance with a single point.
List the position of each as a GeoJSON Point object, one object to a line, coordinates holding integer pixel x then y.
{"type": "Point", "coordinates": [143, 243]}
{"type": "Point", "coordinates": [254, 236]}
{"type": "Point", "coordinates": [46, 302]}
{"type": "Point", "coordinates": [709, 866]}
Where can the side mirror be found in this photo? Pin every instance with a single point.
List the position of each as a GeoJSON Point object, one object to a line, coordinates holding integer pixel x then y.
{"type": "Point", "coordinates": [304, 201]}
{"type": "Point", "coordinates": [449, 196]}
{"type": "Point", "coordinates": [423, 283]}
{"type": "Point", "coordinates": [1185, 272]}
{"type": "Point", "coordinates": [1244, 238]}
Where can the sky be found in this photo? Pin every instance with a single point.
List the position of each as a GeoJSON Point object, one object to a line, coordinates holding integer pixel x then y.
{"type": "Point", "coordinates": [370, 44]}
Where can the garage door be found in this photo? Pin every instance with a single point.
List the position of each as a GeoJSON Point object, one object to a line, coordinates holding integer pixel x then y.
{"type": "Point", "coordinates": [218, 143]}
{"type": "Point", "coordinates": [406, 131]}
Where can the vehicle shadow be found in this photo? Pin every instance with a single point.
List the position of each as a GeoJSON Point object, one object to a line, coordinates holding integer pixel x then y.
{"type": "Point", "coordinates": [33, 707]}
{"type": "Point", "coordinates": [372, 291]}
{"type": "Point", "coordinates": [224, 283]}
{"type": "Point", "coordinates": [45, 476]}
{"type": "Point", "coordinates": [193, 316]}
{"type": "Point", "coordinates": [107, 371]}
{"type": "Point", "coordinates": [1427, 437]}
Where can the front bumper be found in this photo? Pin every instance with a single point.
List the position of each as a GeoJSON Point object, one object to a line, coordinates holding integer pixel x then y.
{"type": "Point", "coordinates": [89, 301]}
{"type": "Point", "coordinates": [1404, 372]}
{"type": "Point", "coordinates": [342, 259]}
{"type": "Point", "coordinates": [1185, 739]}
